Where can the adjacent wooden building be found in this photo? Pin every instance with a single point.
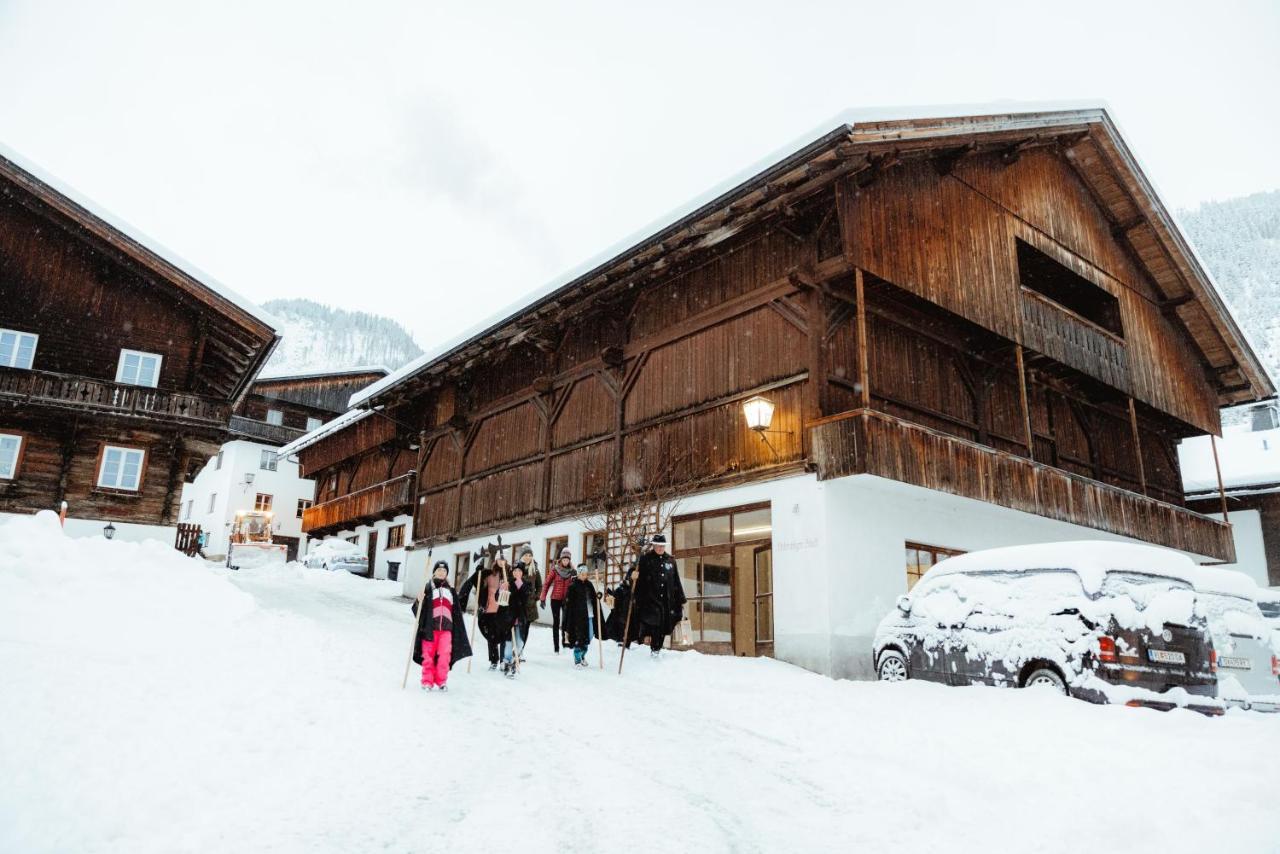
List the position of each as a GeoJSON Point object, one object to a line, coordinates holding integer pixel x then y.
{"type": "Point", "coordinates": [989, 321]}
{"type": "Point", "coordinates": [119, 366]}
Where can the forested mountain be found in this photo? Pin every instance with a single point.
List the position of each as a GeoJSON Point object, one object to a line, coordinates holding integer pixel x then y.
{"type": "Point", "coordinates": [316, 337]}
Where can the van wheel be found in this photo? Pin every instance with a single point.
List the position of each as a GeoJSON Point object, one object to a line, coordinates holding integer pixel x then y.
{"type": "Point", "coordinates": [892, 667]}
{"type": "Point", "coordinates": [1045, 677]}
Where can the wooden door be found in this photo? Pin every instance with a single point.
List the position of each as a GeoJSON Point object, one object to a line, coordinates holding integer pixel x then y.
{"type": "Point", "coordinates": [373, 551]}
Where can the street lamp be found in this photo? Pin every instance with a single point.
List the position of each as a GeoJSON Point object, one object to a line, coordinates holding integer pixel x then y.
{"type": "Point", "coordinates": [109, 531]}
{"type": "Point", "coordinates": [759, 414]}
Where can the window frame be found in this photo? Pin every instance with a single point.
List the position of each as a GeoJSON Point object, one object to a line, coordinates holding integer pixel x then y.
{"type": "Point", "coordinates": [142, 354]}
{"type": "Point", "coordinates": [318, 423]}
{"type": "Point", "coordinates": [393, 529]}
{"type": "Point", "coordinates": [262, 460]}
{"type": "Point", "coordinates": [17, 348]}
{"type": "Point", "coordinates": [461, 568]}
{"type": "Point", "coordinates": [604, 544]}
{"type": "Point", "coordinates": [258, 505]}
{"type": "Point", "coordinates": [304, 504]}
{"type": "Point", "coordinates": [98, 485]}
{"type": "Point", "coordinates": [17, 458]}
{"type": "Point", "coordinates": [213, 503]}
{"type": "Point", "coordinates": [563, 541]}
{"type": "Point", "coordinates": [279, 413]}
{"type": "Point", "coordinates": [936, 553]}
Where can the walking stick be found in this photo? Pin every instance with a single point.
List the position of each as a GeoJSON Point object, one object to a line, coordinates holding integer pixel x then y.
{"type": "Point", "coordinates": [626, 628]}
{"type": "Point", "coordinates": [599, 628]}
{"type": "Point", "coordinates": [476, 622]}
{"type": "Point", "coordinates": [422, 603]}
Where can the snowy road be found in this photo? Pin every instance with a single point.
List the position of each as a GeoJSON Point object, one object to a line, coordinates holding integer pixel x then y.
{"type": "Point", "coordinates": [154, 704]}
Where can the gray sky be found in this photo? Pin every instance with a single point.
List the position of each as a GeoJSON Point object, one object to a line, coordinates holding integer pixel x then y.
{"type": "Point", "coordinates": [435, 161]}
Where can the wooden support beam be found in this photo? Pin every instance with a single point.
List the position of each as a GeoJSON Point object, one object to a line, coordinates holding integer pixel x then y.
{"type": "Point", "coordinates": [1026, 408]}
{"type": "Point", "coordinates": [1217, 467]}
{"type": "Point", "coordinates": [1137, 445]}
{"type": "Point", "coordinates": [816, 323]}
{"type": "Point", "coordinates": [864, 369]}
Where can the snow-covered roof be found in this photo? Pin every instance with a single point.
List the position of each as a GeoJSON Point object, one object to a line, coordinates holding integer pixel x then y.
{"type": "Point", "coordinates": [264, 376]}
{"type": "Point", "coordinates": [1092, 559]}
{"type": "Point", "coordinates": [346, 419]}
{"type": "Point", "coordinates": [161, 252]}
{"type": "Point", "coordinates": [1248, 459]}
{"type": "Point", "coordinates": [841, 125]}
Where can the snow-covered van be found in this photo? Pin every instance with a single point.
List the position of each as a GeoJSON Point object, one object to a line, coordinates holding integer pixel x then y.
{"type": "Point", "coordinates": [1104, 622]}
{"type": "Point", "coordinates": [335, 554]}
{"type": "Point", "coordinates": [1246, 647]}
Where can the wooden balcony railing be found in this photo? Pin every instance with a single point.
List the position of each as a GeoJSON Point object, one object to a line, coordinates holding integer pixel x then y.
{"type": "Point", "coordinates": [864, 441]}
{"type": "Point", "coordinates": [68, 391]}
{"type": "Point", "coordinates": [273, 434]}
{"type": "Point", "coordinates": [380, 501]}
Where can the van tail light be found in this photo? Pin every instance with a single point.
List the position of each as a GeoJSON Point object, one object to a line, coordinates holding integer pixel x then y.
{"type": "Point", "coordinates": [1275, 665]}
{"type": "Point", "coordinates": [1107, 649]}
{"type": "Point", "coordinates": [1213, 661]}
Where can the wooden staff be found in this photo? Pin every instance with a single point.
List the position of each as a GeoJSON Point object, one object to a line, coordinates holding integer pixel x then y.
{"type": "Point", "coordinates": [626, 628]}
{"type": "Point", "coordinates": [422, 597]}
{"type": "Point", "coordinates": [476, 622]}
{"type": "Point", "coordinates": [599, 628]}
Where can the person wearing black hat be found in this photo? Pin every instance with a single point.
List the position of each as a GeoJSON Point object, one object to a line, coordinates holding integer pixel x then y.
{"type": "Point", "coordinates": [441, 641]}
{"type": "Point", "coordinates": [659, 596]}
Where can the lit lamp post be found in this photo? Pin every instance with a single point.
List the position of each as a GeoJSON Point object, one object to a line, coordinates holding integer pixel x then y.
{"type": "Point", "coordinates": [109, 531]}
{"type": "Point", "coordinates": [759, 414]}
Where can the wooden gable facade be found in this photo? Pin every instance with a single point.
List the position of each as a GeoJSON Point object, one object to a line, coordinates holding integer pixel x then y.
{"type": "Point", "coordinates": [278, 410]}
{"type": "Point", "coordinates": [995, 307]}
{"type": "Point", "coordinates": [130, 366]}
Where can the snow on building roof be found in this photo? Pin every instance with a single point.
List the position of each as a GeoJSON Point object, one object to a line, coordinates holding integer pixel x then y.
{"type": "Point", "coordinates": [1092, 559]}
{"type": "Point", "coordinates": [307, 375]}
{"type": "Point", "coordinates": [346, 419]}
{"type": "Point", "coordinates": [841, 125]}
{"type": "Point", "coordinates": [91, 209]}
{"type": "Point", "coordinates": [1248, 459]}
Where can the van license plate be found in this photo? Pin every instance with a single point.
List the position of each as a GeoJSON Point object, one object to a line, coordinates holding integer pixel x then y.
{"type": "Point", "coordinates": [1164, 656]}
{"type": "Point", "coordinates": [1234, 662]}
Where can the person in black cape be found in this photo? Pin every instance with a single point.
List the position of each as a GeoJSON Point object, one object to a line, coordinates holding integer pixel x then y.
{"type": "Point", "coordinates": [660, 597]}
{"type": "Point", "coordinates": [441, 640]}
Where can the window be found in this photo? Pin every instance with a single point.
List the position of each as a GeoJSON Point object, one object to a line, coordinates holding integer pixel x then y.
{"type": "Point", "coordinates": [190, 506]}
{"type": "Point", "coordinates": [10, 453]}
{"type": "Point", "coordinates": [262, 502]}
{"type": "Point", "coordinates": [921, 557]}
{"type": "Point", "coordinates": [218, 462]}
{"type": "Point", "coordinates": [725, 561]}
{"type": "Point", "coordinates": [138, 368]}
{"type": "Point", "coordinates": [121, 468]}
{"type": "Point", "coordinates": [461, 568]}
{"type": "Point", "coordinates": [554, 545]}
{"type": "Point", "coordinates": [268, 460]}
{"type": "Point", "coordinates": [1042, 274]}
{"type": "Point", "coordinates": [275, 416]}
{"type": "Point", "coordinates": [354, 539]}
{"type": "Point", "coordinates": [313, 423]}
{"type": "Point", "coordinates": [303, 504]}
{"type": "Point", "coordinates": [17, 349]}
{"type": "Point", "coordinates": [593, 543]}
{"type": "Point", "coordinates": [213, 500]}
{"type": "Point", "coordinates": [395, 537]}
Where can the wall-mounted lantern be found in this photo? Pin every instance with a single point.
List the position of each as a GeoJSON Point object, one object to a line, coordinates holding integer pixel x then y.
{"type": "Point", "coordinates": [109, 531]}
{"type": "Point", "coordinates": [759, 414]}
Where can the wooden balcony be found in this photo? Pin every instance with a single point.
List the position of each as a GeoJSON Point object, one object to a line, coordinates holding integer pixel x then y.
{"type": "Point", "coordinates": [84, 394]}
{"type": "Point", "coordinates": [864, 441]}
{"type": "Point", "coordinates": [380, 501]}
{"type": "Point", "coordinates": [261, 431]}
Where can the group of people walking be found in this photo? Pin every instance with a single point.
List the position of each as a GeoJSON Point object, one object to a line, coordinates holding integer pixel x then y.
{"type": "Point", "coordinates": [511, 596]}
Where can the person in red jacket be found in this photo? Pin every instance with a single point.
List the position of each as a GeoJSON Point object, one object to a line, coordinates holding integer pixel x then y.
{"type": "Point", "coordinates": [556, 587]}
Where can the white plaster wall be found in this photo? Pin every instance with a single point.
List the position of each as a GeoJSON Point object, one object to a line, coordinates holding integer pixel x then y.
{"type": "Point", "coordinates": [241, 457]}
{"type": "Point", "coordinates": [129, 532]}
{"type": "Point", "coordinates": [1246, 533]}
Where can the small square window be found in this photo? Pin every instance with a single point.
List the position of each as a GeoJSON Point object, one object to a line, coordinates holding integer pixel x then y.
{"type": "Point", "coordinates": [313, 423]}
{"type": "Point", "coordinates": [10, 450]}
{"type": "Point", "coordinates": [121, 468]}
{"type": "Point", "coordinates": [275, 416]}
{"type": "Point", "coordinates": [262, 502]}
{"type": "Point", "coordinates": [303, 504]}
{"type": "Point", "coordinates": [395, 537]}
{"type": "Point", "coordinates": [268, 460]}
{"type": "Point", "coordinates": [138, 368]}
{"type": "Point", "coordinates": [17, 349]}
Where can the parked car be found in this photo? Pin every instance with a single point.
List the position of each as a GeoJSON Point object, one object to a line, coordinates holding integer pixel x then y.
{"type": "Point", "coordinates": [1268, 599]}
{"type": "Point", "coordinates": [1245, 658]}
{"type": "Point", "coordinates": [1104, 622]}
{"type": "Point", "coordinates": [335, 554]}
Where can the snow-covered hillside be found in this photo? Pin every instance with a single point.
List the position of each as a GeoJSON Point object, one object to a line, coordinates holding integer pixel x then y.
{"type": "Point", "coordinates": [316, 337]}
{"type": "Point", "coordinates": [1239, 242]}
{"type": "Point", "coordinates": [155, 703]}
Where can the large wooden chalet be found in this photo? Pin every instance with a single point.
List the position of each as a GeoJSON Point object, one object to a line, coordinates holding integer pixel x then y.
{"type": "Point", "coordinates": [119, 368]}
{"type": "Point", "coordinates": [974, 331]}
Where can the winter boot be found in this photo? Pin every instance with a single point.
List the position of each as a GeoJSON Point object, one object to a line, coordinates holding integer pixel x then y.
{"type": "Point", "coordinates": [444, 688]}
{"type": "Point", "coordinates": [427, 687]}
{"type": "Point", "coordinates": [653, 653]}
{"type": "Point", "coordinates": [493, 665]}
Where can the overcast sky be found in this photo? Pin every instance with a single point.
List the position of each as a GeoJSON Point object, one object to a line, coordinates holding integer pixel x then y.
{"type": "Point", "coordinates": [436, 161]}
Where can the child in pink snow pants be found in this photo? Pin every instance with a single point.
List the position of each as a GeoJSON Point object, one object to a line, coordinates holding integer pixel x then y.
{"type": "Point", "coordinates": [438, 623]}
